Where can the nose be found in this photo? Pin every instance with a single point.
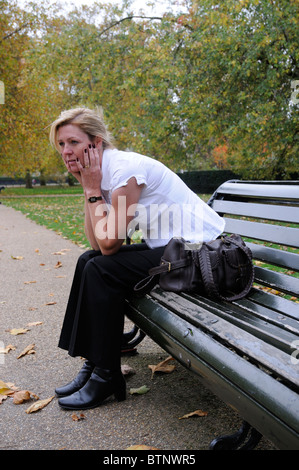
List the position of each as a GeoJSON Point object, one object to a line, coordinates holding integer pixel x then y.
{"type": "Point", "coordinates": [67, 150]}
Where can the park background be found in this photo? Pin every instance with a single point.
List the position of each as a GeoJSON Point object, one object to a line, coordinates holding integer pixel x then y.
{"type": "Point", "coordinates": [200, 85]}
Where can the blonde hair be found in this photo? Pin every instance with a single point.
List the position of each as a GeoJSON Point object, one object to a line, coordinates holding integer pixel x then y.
{"type": "Point", "coordinates": [89, 121]}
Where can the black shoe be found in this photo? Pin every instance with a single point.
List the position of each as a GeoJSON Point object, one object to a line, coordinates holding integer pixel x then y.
{"type": "Point", "coordinates": [78, 382]}
{"type": "Point", "coordinates": [101, 385]}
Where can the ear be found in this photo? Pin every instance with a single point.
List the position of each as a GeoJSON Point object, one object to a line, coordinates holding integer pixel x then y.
{"type": "Point", "coordinates": [98, 141]}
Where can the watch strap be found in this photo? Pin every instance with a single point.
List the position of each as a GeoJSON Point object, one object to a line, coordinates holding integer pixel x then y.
{"type": "Point", "coordinates": [95, 198]}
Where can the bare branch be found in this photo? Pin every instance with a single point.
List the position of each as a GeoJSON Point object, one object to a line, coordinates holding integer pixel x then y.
{"type": "Point", "coordinates": [130, 18]}
{"type": "Point", "coordinates": [15, 31]}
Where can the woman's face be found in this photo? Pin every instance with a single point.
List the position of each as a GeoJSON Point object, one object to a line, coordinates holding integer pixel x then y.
{"type": "Point", "coordinates": [72, 142]}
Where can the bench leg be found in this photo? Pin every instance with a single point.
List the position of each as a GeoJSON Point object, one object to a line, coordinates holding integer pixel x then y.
{"type": "Point", "coordinates": [131, 340]}
{"type": "Point", "coordinates": [235, 441]}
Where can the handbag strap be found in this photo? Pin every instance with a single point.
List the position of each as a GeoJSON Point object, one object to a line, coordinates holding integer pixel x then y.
{"type": "Point", "coordinates": [207, 273]}
{"type": "Point", "coordinates": [167, 266]}
{"type": "Point", "coordinates": [146, 285]}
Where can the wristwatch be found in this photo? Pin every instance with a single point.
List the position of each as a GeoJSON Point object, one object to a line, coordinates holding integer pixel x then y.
{"type": "Point", "coordinates": [95, 198]}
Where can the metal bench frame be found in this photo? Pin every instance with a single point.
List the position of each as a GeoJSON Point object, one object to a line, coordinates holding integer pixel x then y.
{"type": "Point", "coordinates": [246, 351]}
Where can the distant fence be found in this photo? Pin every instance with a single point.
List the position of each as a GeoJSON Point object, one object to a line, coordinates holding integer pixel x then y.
{"type": "Point", "coordinates": [206, 181]}
{"type": "Point", "coordinates": [201, 182]}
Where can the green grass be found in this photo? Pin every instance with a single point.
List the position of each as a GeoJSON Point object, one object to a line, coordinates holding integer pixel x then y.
{"type": "Point", "coordinates": [61, 208]}
{"type": "Point", "coordinates": [54, 207]}
{"type": "Point", "coordinates": [59, 211]}
{"type": "Point", "coordinates": [41, 190]}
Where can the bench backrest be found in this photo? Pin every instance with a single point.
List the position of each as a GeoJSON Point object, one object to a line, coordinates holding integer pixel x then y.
{"type": "Point", "coordinates": [266, 215]}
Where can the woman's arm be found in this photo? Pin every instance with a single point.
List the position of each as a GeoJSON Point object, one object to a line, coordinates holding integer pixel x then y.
{"type": "Point", "coordinates": [88, 227]}
{"type": "Point", "coordinates": [106, 227]}
{"type": "Point", "coordinates": [109, 227]}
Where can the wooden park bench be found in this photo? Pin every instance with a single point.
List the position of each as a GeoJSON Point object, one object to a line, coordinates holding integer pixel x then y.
{"type": "Point", "coordinates": [246, 352]}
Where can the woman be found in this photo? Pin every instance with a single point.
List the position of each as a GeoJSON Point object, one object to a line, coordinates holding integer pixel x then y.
{"type": "Point", "coordinates": [121, 189]}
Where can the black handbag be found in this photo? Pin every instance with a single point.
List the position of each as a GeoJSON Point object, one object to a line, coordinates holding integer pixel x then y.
{"type": "Point", "coordinates": [221, 269]}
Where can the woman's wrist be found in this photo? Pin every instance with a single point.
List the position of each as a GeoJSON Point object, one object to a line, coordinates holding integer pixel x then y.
{"type": "Point", "coordinates": [92, 193]}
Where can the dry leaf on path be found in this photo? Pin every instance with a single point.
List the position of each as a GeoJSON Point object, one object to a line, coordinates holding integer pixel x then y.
{"type": "Point", "coordinates": [78, 418]}
{"type": "Point", "coordinates": [23, 395]}
{"type": "Point", "coordinates": [40, 404]}
{"type": "Point", "coordinates": [28, 350]}
{"type": "Point", "coordinates": [6, 389]}
{"type": "Point", "coordinates": [127, 370]}
{"type": "Point", "coordinates": [139, 391]}
{"type": "Point", "coordinates": [30, 282]}
{"type": "Point", "coordinates": [195, 413]}
{"type": "Point", "coordinates": [50, 303]}
{"type": "Point", "coordinates": [163, 367]}
{"type": "Point", "coordinates": [17, 257]}
{"type": "Point", "coordinates": [35, 323]}
{"type": "Point", "coordinates": [58, 264]}
{"type": "Point", "coordinates": [18, 331]}
{"type": "Point", "coordinates": [8, 348]}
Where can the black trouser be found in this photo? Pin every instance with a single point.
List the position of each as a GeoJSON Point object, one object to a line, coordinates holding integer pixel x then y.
{"type": "Point", "coordinates": [94, 319]}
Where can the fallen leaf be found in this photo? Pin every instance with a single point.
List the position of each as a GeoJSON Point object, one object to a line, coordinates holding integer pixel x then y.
{"type": "Point", "coordinates": [28, 350]}
{"type": "Point", "coordinates": [17, 257]}
{"type": "Point", "coordinates": [78, 418]}
{"type": "Point", "coordinates": [8, 348]}
{"type": "Point", "coordinates": [163, 367]}
{"type": "Point", "coordinates": [195, 413]}
{"type": "Point", "coordinates": [5, 389]}
{"type": "Point", "coordinates": [40, 404]}
{"type": "Point", "coordinates": [30, 282]}
{"type": "Point", "coordinates": [141, 447]}
{"type": "Point", "coordinates": [18, 331]}
{"type": "Point", "coordinates": [21, 396]}
{"type": "Point", "coordinates": [58, 264]}
{"type": "Point", "coordinates": [140, 390]}
{"type": "Point", "coordinates": [50, 303]}
{"type": "Point", "coordinates": [35, 323]}
{"type": "Point", "coordinates": [127, 370]}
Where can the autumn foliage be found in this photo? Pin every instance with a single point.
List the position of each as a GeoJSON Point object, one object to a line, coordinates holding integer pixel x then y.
{"type": "Point", "coordinates": [175, 87]}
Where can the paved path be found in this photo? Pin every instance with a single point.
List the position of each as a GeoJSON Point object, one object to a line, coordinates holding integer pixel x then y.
{"type": "Point", "coordinates": [34, 289]}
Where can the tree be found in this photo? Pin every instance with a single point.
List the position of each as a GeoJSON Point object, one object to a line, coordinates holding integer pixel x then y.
{"type": "Point", "coordinates": [242, 57]}
{"type": "Point", "coordinates": [181, 87]}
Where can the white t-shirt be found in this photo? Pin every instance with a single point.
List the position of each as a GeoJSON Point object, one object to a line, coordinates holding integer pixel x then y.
{"type": "Point", "coordinates": [167, 207]}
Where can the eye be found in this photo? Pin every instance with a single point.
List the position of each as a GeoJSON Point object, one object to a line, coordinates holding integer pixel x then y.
{"type": "Point", "coordinates": [74, 142]}
{"type": "Point", "coordinates": [61, 144]}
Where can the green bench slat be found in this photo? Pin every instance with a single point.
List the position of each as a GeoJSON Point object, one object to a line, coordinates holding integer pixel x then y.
{"type": "Point", "coordinates": [236, 331]}
{"type": "Point", "coordinates": [242, 351]}
{"type": "Point", "coordinates": [285, 310]}
{"type": "Point", "coordinates": [274, 256]}
{"type": "Point", "coordinates": [258, 396]}
{"type": "Point", "coordinates": [271, 190]}
{"type": "Point", "coordinates": [277, 281]}
{"type": "Point", "coordinates": [263, 211]}
{"type": "Point", "coordinates": [276, 234]}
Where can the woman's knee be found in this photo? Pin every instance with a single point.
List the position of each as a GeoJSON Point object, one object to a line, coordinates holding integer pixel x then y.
{"type": "Point", "coordinates": [86, 257]}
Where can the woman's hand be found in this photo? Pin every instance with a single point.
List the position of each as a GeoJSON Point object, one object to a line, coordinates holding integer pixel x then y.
{"type": "Point", "coordinates": [76, 174]}
{"type": "Point", "coordinates": [91, 171]}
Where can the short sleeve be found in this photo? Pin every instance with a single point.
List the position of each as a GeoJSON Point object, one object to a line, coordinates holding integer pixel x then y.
{"type": "Point", "coordinates": [126, 169]}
